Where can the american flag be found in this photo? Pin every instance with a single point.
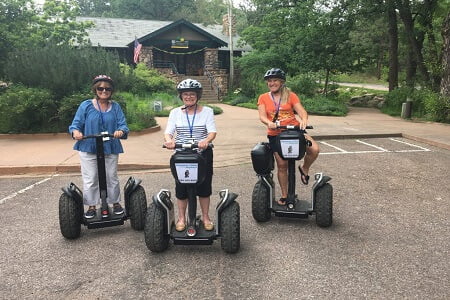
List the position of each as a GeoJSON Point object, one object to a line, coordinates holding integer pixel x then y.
{"type": "Point", "coordinates": [137, 50]}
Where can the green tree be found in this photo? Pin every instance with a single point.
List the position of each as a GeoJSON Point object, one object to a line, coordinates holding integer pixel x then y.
{"type": "Point", "coordinates": [62, 69]}
{"type": "Point", "coordinates": [23, 26]}
{"type": "Point", "coordinates": [197, 11]}
{"type": "Point", "coordinates": [56, 24]}
{"type": "Point", "coordinates": [304, 36]}
{"type": "Point", "coordinates": [15, 19]}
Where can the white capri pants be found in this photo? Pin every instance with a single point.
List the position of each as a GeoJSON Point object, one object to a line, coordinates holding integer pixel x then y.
{"type": "Point", "coordinates": [91, 190]}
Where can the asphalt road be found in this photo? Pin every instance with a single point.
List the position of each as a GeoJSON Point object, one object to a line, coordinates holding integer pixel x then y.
{"type": "Point", "coordinates": [389, 239]}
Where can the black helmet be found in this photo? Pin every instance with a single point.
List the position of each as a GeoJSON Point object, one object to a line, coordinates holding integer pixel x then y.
{"type": "Point", "coordinates": [103, 78]}
{"type": "Point", "coordinates": [275, 73]}
{"type": "Point", "coordinates": [190, 85]}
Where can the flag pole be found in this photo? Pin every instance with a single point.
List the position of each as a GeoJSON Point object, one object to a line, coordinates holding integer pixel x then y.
{"type": "Point", "coordinates": [230, 44]}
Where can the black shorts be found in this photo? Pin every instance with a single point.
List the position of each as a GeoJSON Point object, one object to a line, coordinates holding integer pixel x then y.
{"type": "Point", "coordinates": [273, 143]}
{"type": "Point", "coordinates": [204, 189]}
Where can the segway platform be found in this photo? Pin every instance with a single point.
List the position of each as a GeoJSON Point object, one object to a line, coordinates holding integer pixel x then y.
{"type": "Point", "coordinates": [302, 209]}
{"type": "Point", "coordinates": [99, 221]}
{"type": "Point", "coordinates": [202, 236]}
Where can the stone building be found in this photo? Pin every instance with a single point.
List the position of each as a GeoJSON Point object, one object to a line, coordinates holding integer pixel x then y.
{"type": "Point", "coordinates": [178, 49]}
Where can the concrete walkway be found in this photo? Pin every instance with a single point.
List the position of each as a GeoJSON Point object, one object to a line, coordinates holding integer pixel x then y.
{"type": "Point", "coordinates": [238, 129]}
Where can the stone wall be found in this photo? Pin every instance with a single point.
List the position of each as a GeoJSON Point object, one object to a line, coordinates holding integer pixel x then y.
{"type": "Point", "coordinates": [146, 56]}
{"type": "Point", "coordinates": [211, 58]}
{"type": "Point", "coordinates": [368, 100]}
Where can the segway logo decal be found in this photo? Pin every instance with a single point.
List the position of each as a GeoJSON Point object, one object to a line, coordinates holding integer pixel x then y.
{"type": "Point", "coordinates": [290, 148]}
{"type": "Point", "coordinates": [187, 172]}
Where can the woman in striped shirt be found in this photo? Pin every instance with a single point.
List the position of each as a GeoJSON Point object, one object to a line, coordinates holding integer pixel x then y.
{"type": "Point", "coordinates": [192, 123]}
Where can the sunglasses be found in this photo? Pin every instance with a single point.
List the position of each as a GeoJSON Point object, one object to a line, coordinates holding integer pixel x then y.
{"type": "Point", "coordinates": [101, 89]}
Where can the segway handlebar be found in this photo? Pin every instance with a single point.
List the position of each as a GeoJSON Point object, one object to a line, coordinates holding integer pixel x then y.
{"type": "Point", "coordinates": [292, 127]}
{"type": "Point", "coordinates": [189, 146]}
{"type": "Point", "coordinates": [93, 136]}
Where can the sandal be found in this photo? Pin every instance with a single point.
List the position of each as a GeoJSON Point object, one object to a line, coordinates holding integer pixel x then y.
{"type": "Point", "coordinates": [180, 226]}
{"type": "Point", "coordinates": [282, 201]}
{"type": "Point", "coordinates": [303, 177]}
{"type": "Point", "coordinates": [208, 226]}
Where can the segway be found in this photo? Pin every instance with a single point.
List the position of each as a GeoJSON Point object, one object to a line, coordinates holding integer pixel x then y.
{"type": "Point", "coordinates": [71, 211]}
{"type": "Point", "coordinates": [188, 167]}
{"type": "Point", "coordinates": [292, 143]}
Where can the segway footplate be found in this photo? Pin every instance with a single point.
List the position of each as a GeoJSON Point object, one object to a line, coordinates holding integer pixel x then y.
{"type": "Point", "coordinates": [99, 222]}
{"type": "Point", "coordinates": [301, 210]}
{"type": "Point", "coordinates": [202, 237]}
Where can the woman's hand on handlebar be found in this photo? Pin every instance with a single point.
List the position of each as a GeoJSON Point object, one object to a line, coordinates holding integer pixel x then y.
{"type": "Point", "coordinates": [170, 144]}
{"type": "Point", "coordinates": [203, 144]}
{"type": "Point", "coordinates": [118, 134]}
{"type": "Point", "coordinates": [272, 125]}
{"type": "Point", "coordinates": [77, 135]}
{"type": "Point", "coordinates": [303, 124]}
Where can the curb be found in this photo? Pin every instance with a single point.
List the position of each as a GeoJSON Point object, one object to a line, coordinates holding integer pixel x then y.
{"type": "Point", "coordinates": [20, 170]}
{"type": "Point", "coordinates": [426, 141]}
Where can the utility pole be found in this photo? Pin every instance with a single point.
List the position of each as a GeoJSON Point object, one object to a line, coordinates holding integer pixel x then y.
{"type": "Point", "coordinates": [230, 43]}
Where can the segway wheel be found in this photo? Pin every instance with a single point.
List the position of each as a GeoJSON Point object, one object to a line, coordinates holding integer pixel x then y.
{"type": "Point", "coordinates": [156, 238]}
{"type": "Point", "coordinates": [70, 214]}
{"type": "Point", "coordinates": [138, 208]}
{"type": "Point", "coordinates": [324, 205]}
{"type": "Point", "coordinates": [260, 203]}
{"type": "Point", "coordinates": [230, 228]}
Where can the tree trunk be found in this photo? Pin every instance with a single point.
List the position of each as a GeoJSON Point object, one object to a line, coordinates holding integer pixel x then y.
{"type": "Point", "coordinates": [406, 16]}
{"type": "Point", "coordinates": [327, 78]}
{"type": "Point", "coordinates": [411, 68]}
{"type": "Point", "coordinates": [393, 46]}
{"type": "Point", "coordinates": [432, 48]}
{"type": "Point", "coordinates": [445, 81]}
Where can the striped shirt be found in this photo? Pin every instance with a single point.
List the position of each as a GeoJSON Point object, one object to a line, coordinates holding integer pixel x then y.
{"type": "Point", "coordinates": [180, 125]}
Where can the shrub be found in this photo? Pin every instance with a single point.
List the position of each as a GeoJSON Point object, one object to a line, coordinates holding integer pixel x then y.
{"type": "Point", "coordinates": [437, 107]}
{"type": "Point", "coordinates": [27, 110]}
{"type": "Point", "coordinates": [239, 99]}
{"type": "Point", "coordinates": [252, 69]}
{"type": "Point", "coordinates": [248, 105]}
{"type": "Point", "coordinates": [394, 100]}
{"type": "Point", "coordinates": [62, 69]}
{"type": "Point", "coordinates": [304, 84]}
{"type": "Point", "coordinates": [168, 100]}
{"type": "Point", "coordinates": [425, 104]}
{"type": "Point", "coordinates": [217, 110]}
{"type": "Point", "coordinates": [138, 113]}
{"type": "Point", "coordinates": [150, 81]}
{"type": "Point", "coordinates": [68, 108]}
{"type": "Point", "coordinates": [322, 105]}
{"type": "Point", "coordinates": [344, 94]}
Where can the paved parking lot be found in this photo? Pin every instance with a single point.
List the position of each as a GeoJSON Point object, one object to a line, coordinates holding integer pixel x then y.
{"type": "Point", "coordinates": [389, 238]}
{"type": "Point", "coordinates": [375, 145]}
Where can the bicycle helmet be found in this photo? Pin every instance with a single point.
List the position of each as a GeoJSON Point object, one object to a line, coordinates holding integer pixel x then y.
{"type": "Point", "coordinates": [188, 85]}
{"type": "Point", "coordinates": [275, 73]}
{"type": "Point", "coordinates": [103, 78]}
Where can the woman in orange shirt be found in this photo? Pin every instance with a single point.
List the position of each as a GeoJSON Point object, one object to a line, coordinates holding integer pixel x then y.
{"type": "Point", "coordinates": [280, 104]}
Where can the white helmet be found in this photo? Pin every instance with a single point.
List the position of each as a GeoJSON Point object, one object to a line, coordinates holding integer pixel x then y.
{"type": "Point", "coordinates": [190, 85]}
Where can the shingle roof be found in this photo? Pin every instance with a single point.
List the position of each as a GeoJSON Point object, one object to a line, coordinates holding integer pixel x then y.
{"type": "Point", "coordinates": [118, 33]}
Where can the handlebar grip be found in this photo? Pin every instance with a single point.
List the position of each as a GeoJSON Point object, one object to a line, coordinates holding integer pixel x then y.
{"type": "Point", "coordinates": [189, 146]}
{"type": "Point", "coordinates": [93, 136]}
{"type": "Point", "coordinates": [294, 127]}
